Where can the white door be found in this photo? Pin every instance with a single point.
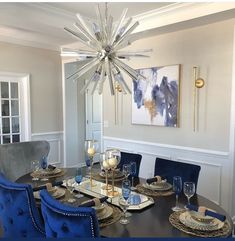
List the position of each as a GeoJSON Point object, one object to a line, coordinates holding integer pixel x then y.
{"type": "Point", "coordinates": [94, 117]}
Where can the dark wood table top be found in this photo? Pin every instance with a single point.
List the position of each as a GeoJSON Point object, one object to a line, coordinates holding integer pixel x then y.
{"type": "Point", "coordinates": [153, 221]}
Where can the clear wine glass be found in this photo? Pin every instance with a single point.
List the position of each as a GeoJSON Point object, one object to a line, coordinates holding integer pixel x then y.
{"type": "Point", "coordinates": [126, 170]}
{"type": "Point", "coordinates": [126, 190]}
{"type": "Point", "coordinates": [70, 185]}
{"type": "Point", "coordinates": [177, 188]}
{"type": "Point", "coordinates": [189, 190]}
{"type": "Point", "coordinates": [35, 166]}
{"type": "Point", "coordinates": [78, 180]}
{"type": "Point", "coordinates": [133, 173]}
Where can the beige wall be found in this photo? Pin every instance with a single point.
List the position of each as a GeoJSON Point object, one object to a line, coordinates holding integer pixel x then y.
{"type": "Point", "coordinates": [44, 67]}
{"type": "Point", "coordinates": [211, 48]}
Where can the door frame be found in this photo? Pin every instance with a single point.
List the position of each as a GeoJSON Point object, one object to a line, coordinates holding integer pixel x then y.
{"type": "Point", "coordinates": [102, 118]}
{"type": "Point", "coordinates": [24, 96]}
{"type": "Point", "coordinates": [63, 62]}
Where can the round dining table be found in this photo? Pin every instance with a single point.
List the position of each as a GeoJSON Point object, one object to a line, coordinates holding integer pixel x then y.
{"type": "Point", "coordinates": [153, 221]}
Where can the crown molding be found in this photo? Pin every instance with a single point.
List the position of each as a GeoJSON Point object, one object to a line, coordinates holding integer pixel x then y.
{"type": "Point", "coordinates": [178, 12]}
{"type": "Point", "coordinates": [26, 43]}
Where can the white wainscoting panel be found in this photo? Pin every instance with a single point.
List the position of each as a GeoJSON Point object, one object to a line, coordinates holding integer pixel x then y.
{"type": "Point", "coordinates": [56, 146]}
{"type": "Point", "coordinates": [214, 181]}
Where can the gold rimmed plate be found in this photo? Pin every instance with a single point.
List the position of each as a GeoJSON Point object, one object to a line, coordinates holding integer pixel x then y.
{"type": "Point", "coordinates": [106, 212]}
{"type": "Point", "coordinates": [163, 186]}
{"type": "Point", "coordinates": [60, 192]}
{"type": "Point", "coordinates": [186, 219]}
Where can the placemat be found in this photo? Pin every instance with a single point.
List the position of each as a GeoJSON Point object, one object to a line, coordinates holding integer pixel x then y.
{"type": "Point", "coordinates": [47, 176]}
{"type": "Point", "coordinates": [117, 213]}
{"type": "Point", "coordinates": [141, 189]}
{"type": "Point", "coordinates": [223, 232]}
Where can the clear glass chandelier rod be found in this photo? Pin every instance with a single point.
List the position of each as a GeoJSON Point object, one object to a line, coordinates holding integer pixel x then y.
{"type": "Point", "coordinates": [128, 69]}
{"type": "Point", "coordinates": [102, 80]}
{"type": "Point", "coordinates": [126, 34]}
{"type": "Point", "coordinates": [85, 33]}
{"type": "Point", "coordinates": [119, 24]}
{"type": "Point", "coordinates": [81, 71]}
{"type": "Point", "coordinates": [83, 23]}
{"type": "Point", "coordinates": [109, 73]}
{"type": "Point", "coordinates": [82, 39]}
{"type": "Point", "coordinates": [94, 78]}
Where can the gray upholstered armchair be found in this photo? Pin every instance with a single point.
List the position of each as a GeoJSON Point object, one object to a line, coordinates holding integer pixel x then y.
{"type": "Point", "coordinates": [15, 158]}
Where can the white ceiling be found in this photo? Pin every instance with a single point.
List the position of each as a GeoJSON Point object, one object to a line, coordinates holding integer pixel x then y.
{"type": "Point", "coordinates": [41, 24]}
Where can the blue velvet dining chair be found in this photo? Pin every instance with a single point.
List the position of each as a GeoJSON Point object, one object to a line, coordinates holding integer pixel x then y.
{"type": "Point", "coordinates": [169, 169]}
{"type": "Point", "coordinates": [19, 216]}
{"type": "Point", "coordinates": [127, 158]}
{"type": "Point", "coordinates": [63, 221]}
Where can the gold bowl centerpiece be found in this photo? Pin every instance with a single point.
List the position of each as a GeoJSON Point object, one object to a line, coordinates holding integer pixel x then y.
{"type": "Point", "coordinates": [113, 156]}
{"type": "Point", "coordinates": [91, 147]}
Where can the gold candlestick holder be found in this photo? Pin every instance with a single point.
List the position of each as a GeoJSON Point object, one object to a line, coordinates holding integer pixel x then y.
{"type": "Point", "coordinates": [91, 147]}
{"type": "Point", "coordinates": [113, 193]}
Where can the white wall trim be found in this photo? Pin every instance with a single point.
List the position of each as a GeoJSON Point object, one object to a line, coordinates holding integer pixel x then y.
{"type": "Point", "coordinates": [215, 165]}
{"type": "Point", "coordinates": [47, 133]}
{"type": "Point", "coordinates": [55, 139]}
{"type": "Point", "coordinates": [206, 151]}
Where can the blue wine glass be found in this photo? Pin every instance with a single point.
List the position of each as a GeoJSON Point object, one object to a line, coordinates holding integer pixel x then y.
{"type": "Point", "coordinates": [177, 188]}
{"type": "Point", "coordinates": [43, 162]}
{"type": "Point", "coordinates": [78, 179]}
{"type": "Point", "coordinates": [133, 173]}
{"type": "Point", "coordinates": [126, 190]}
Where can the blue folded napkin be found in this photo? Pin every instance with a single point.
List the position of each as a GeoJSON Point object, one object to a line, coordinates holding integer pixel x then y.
{"type": "Point", "coordinates": [44, 187]}
{"type": "Point", "coordinates": [92, 202]}
{"type": "Point", "coordinates": [221, 217]}
{"type": "Point", "coordinates": [134, 199]}
{"type": "Point", "coordinates": [154, 179]}
{"type": "Point", "coordinates": [51, 167]}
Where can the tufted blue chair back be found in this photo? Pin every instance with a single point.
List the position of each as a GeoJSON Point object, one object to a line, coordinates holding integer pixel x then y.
{"type": "Point", "coordinates": [15, 158]}
{"type": "Point", "coordinates": [127, 158]}
{"type": "Point", "coordinates": [62, 221]}
{"type": "Point", "coordinates": [18, 213]}
{"type": "Point", "coordinates": [169, 169]}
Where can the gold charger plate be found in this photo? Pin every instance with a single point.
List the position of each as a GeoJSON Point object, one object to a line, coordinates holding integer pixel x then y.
{"type": "Point", "coordinates": [188, 221]}
{"type": "Point", "coordinates": [225, 231]}
{"type": "Point", "coordinates": [105, 213]}
{"type": "Point", "coordinates": [60, 192]}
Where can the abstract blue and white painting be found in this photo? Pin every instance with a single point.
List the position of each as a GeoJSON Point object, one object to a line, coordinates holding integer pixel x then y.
{"type": "Point", "coordinates": [155, 101]}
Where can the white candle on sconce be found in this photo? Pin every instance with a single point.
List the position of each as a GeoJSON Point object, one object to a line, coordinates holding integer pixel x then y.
{"type": "Point", "coordinates": [91, 151]}
{"type": "Point", "coordinates": [112, 162]}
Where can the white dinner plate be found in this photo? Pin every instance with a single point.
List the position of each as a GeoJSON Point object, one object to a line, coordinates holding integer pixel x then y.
{"type": "Point", "coordinates": [188, 221]}
{"type": "Point", "coordinates": [162, 187]}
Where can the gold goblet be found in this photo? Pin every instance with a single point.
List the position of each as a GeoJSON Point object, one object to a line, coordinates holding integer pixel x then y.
{"type": "Point", "coordinates": [91, 147]}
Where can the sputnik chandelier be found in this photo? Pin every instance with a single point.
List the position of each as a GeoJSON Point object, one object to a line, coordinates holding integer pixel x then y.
{"type": "Point", "coordinates": [105, 39]}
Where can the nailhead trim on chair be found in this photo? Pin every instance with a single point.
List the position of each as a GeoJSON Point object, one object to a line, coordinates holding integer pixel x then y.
{"type": "Point", "coordinates": [29, 205]}
{"type": "Point", "coordinates": [74, 214]}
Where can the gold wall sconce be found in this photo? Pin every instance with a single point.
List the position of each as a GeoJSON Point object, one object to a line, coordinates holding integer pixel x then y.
{"type": "Point", "coordinates": [198, 83]}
